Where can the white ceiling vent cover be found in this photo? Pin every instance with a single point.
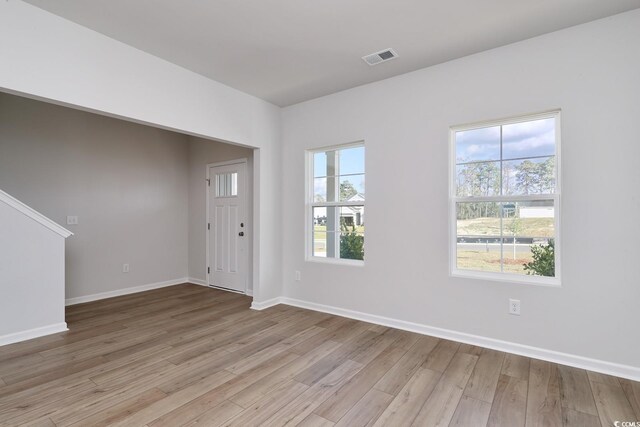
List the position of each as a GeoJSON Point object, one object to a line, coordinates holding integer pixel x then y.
{"type": "Point", "coordinates": [378, 57]}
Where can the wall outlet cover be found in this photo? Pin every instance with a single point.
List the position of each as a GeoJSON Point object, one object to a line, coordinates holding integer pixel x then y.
{"type": "Point", "coordinates": [514, 307]}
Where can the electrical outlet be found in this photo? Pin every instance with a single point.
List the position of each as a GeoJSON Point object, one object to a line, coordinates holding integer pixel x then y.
{"type": "Point", "coordinates": [72, 220]}
{"type": "Point", "coordinates": [298, 276]}
{"type": "Point", "coordinates": [514, 307]}
{"type": "Point", "coordinates": [125, 268]}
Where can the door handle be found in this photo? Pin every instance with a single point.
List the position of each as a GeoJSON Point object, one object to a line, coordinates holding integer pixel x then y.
{"type": "Point", "coordinates": [241, 233]}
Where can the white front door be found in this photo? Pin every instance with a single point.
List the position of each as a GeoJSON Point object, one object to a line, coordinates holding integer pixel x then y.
{"type": "Point", "coordinates": [227, 227]}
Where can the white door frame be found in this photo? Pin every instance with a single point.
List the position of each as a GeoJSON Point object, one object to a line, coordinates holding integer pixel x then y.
{"type": "Point", "coordinates": [246, 214]}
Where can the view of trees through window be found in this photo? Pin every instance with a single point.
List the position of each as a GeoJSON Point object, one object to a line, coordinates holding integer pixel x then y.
{"type": "Point", "coordinates": [338, 203]}
{"type": "Point", "coordinates": [505, 192]}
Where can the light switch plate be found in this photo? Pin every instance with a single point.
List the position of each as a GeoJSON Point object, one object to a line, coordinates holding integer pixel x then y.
{"type": "Point", "coordinates": [72, 220]}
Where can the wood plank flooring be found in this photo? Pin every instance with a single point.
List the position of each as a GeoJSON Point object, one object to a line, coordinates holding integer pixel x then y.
{"type": "Point", "coordinates": [191, 356]}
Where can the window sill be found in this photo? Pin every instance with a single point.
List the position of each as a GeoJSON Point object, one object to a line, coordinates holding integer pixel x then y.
{"type": "Point", "coordinates": [336, 261]}
{"type": "Point", "coordinates": [552, 282]}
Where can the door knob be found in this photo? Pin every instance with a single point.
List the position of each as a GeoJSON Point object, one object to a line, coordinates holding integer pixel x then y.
{"type": "Point", "coordinates": [241, 233]}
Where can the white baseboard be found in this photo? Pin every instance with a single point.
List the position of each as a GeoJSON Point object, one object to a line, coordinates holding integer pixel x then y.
{"type": "Point", "coordinates": [204, 283]}
{"type": "Point", "coordinates": [126, 291]}
{"type": "Point", "coordinates": [268, 303]}
{"type": "Point", "coordinates": [197, 281]}
{"type": "Point", "coordinates": [33, 333]}
{"type": "Point", "coordinates": [624, 371]}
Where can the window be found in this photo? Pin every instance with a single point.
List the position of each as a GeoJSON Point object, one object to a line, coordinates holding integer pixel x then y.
{"type": "Point", "coordinates": [227, 184]}
{"type": "Point", "coordinates": [335, 203]}
{"type": "Point", "coordinates": [505, 199]}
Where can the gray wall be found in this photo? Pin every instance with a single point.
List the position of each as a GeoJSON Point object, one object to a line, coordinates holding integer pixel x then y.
{"type": "Point", "coordinates": [138, 191]}
{"type": "Point", "coordinates": [93, 72]}
{"type": "Point", "coordinates": [127, 183]}
{"type": "Point", "coordinates": [592, 73]}
{"type": "Point", "coordinates": [201, 153]}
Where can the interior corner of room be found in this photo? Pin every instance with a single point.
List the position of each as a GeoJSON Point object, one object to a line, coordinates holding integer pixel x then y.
{"type": "Point", "coordinates": [137, 195]}
{"type": "Point", "coordinates": [136, 167]}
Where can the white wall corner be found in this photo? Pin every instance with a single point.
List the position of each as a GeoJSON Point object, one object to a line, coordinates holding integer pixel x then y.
{"type": "Point", "coordinates": [263, 305]}
{"type": "Point", "coordinates": [33, 333]}
{"type": "Point", "coordinates": [195, 281]}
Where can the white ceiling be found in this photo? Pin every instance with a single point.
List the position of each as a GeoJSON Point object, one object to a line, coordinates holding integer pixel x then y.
{"type": "Point", "coordinates": [288, 51]}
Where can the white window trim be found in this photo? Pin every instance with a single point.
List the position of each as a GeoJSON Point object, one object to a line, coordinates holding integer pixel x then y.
{"type": "Point", "coordinates": [309, 205]}
{"type": "Point", "coordinates": [506, 277]}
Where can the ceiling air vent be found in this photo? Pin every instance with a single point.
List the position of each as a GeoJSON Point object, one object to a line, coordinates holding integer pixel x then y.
{"type": "Point", "coordinates": [378, 57]}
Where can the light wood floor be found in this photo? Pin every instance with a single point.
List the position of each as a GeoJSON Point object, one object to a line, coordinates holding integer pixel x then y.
{"type": "Point", "coordinates": [189, 355]}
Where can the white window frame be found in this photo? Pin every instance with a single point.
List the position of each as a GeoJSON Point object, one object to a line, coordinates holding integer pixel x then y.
{"type": "Point", "coordinates": [453, 199]}
{"type": "Point", "coordinates": [310, 204]}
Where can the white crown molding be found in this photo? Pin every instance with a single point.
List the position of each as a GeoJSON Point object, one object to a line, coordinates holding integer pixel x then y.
{"type": "Point", "coordinates": [34, 215]}
{"type": "Point", "coordinates": [125, 291]}
{"type": "Point", "coordinates": [33, 333]}
{"type": "Point", "coordinates": [618, 370]}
